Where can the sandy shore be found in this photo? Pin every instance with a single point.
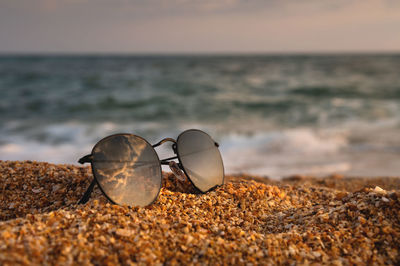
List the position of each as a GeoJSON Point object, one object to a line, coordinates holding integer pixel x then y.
{"type": "Point", "coordinates": [335, 220]}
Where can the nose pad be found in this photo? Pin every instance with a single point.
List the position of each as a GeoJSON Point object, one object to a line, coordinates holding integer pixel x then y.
{"type": "Point", "coordinates": [179, 174]}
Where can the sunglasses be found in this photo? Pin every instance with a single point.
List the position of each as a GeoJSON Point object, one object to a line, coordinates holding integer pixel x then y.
{"type": "Point", "coordinates": [127, 168]}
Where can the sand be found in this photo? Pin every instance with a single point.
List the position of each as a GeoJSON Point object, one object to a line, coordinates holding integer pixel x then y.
{"type": "Point", "coordinates": [249, 220]}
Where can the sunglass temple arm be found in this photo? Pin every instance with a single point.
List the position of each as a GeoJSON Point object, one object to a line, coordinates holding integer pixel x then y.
{"type": "Point", "coordinates": [166, 161]}
{"type": "Point", "coordinates": [86, 196]}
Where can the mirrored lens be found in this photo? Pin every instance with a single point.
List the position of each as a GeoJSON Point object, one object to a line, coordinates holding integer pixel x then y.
{"type": "Point", "coordinates": [127, 169]}
{"type": "Point", "coordinates": [201, 159]}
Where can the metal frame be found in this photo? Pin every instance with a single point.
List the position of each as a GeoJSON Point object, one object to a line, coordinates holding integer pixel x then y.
{"type": "Point", "coordinates": [88, 159]}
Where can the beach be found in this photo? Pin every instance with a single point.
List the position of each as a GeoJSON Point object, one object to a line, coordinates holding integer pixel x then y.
{"type": "Point", "coordinates": [115, 117]}
{"type": "Point", "coordinates": [249, 220]}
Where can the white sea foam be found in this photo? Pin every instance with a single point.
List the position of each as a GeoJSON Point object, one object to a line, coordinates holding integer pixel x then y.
{"type": "Point", "coordinates": [64, 153]}
{"type": "Point", "coordinates": [356, 149]}
{"type": "Point", "coordinates": [280, 153]}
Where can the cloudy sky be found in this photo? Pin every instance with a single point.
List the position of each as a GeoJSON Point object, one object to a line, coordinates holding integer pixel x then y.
{"type": "Point", "coordinates": [199, 26]}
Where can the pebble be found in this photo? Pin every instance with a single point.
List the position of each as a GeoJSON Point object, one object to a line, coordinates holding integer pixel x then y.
{"type": "Point", "coordinates": [385, 199]}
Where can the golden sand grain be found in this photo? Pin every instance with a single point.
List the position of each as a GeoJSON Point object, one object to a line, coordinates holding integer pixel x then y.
{"type": "Point", "coordinates": [338, 221]}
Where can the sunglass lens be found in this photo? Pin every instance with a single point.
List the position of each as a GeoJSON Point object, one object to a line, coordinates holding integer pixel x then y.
{"type": "Point", "coordinates": [201, 159]}
{"type": "Point", "coordinates": [127, 169]}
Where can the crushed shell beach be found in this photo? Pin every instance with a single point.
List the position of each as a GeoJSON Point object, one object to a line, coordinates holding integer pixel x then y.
{"type": "Point", "coordinates": [334, 220]}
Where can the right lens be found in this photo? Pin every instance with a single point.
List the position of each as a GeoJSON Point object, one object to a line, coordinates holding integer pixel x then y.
{"type": "Point", "coordinates": [201, 159]}
{"type": "Point", "coordinates": [128, 169]}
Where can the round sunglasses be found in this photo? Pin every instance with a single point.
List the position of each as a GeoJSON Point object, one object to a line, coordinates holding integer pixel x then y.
{"type": "Point", "coordinates": [128, 171]}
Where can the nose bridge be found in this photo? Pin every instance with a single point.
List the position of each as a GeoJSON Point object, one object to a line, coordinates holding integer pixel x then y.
{"type": "Point", "coordinates": [163, 141]}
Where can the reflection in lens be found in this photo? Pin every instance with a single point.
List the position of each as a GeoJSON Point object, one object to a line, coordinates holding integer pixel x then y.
{"type": "Point", "coordinates": [200, 159]}
{"type": "Point", "coordinates": [127, 169]}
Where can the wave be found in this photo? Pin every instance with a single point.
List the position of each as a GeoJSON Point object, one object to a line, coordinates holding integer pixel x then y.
{"type": "Point", "coordinates": [346, 92]}
{"type": "Point", "coordinates": [353, 149]}
{"type": "Point", "coordinates": [278, 114]}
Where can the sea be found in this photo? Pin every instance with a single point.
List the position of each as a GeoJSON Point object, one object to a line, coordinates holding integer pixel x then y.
{"type": "Point", "coordinates": [273, 115]}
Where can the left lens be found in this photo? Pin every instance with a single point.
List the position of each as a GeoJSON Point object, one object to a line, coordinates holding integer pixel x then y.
{"type": "Point", "coordinates": [127, 169]}
{"type": "Point", "coordinates": [200, 159]}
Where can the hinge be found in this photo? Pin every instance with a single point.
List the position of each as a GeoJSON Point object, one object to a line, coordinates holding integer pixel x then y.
{"type": "Point", "coordinates": [86, 159]}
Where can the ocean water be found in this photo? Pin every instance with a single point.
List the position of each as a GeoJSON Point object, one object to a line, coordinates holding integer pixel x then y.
{"type": "Point", "coordinates": [272, 115]}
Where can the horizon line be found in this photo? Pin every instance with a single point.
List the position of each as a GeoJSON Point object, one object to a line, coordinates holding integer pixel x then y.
{"type": "Point", "coordinates": [199, 53]}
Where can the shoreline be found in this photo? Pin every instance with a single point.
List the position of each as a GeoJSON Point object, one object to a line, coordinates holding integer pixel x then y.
{"type": "Point", "coordinates": [249, 219]}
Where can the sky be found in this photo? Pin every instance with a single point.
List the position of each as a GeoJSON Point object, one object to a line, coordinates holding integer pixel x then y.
{"type": "Point", "coordinates": [199, 26]}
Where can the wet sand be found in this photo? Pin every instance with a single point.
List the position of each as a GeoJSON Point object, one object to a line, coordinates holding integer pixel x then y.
{"type": "Point", "coordinates": [333, 220]}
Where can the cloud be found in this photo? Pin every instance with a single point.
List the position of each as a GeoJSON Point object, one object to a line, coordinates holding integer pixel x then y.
{"type": "Point", "coordinates": [178, 8]}
{"type": "Point", "coordinates": [198, 25]}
